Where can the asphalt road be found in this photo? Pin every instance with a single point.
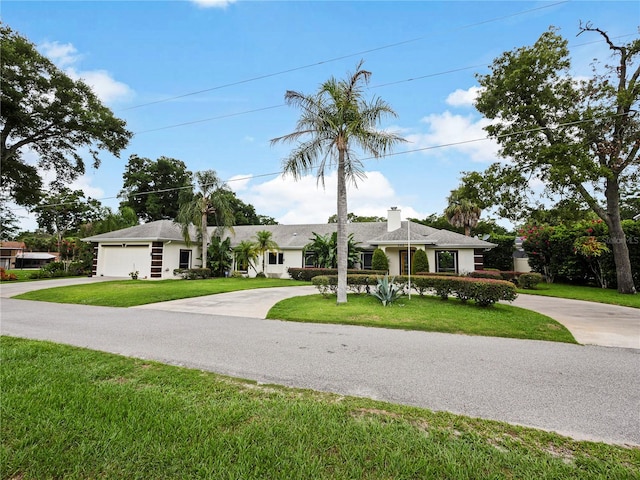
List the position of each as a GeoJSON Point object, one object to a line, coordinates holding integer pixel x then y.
{"type": "Point", "coordinates": [586, 392]}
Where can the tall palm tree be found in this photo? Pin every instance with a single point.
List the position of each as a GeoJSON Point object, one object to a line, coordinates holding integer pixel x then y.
{"type": "Point", "coordinates": [209, 201]}
{"type": "Point", "coordinates": [332, 122]}
{"type": "Point", "coordinates": [264, 243]}
{"type": "Point", "coordinates": [462, 213]}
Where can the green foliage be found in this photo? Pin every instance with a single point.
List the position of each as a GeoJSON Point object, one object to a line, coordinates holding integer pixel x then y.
{"type": "Point", "coordinates": [485, 292]}
{"type": "Point", "coordinates": [462, 212]}
{"type": "Point", "coordinates": [580, 252]}
{"type": "Point", "coordinates": [386, 291]}
{"type": "Point", "coordinates": [530, 89]}
{"type": "Point", "coordinates": [379, 261]}
{"type": "Point", "coordinates": [264, 243]}
{"type": "Point", "coordinates": [353, 218]}
{"type": "Point", "coordinates": [246, 255]}
{"type": "Point", "coordinates": [529, 281]}
{"type": "Point", "coordinates": [500, 257]}
{"type": "Point", "coordinates": [420, 263]}
{"type": "Point", "coordinates": [155, 189]}
{"type": "Point", "coordinates": [220, 256]}
{"type": "Point", "coordinates": [306, 274]}
{"type": "Point", "coordinates": [192, 273]}
{"type": "Point", "coordinates": [324, 250]}
{"type": "Point", "coordinates": [46, 111]}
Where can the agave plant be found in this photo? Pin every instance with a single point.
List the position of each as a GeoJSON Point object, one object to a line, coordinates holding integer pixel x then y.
{"type": "Point", "coordinates": [386, 291]}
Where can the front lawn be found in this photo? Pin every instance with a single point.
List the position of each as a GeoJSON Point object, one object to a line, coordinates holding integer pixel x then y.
{"type": "Point", "coordinates": [73, 413]}
{"type": "Point", "coordinates": [130, 293]}
{"type": "Point", "coordinates": [425, 313]}
{"type": "Point", "coordinates": [590, 294]}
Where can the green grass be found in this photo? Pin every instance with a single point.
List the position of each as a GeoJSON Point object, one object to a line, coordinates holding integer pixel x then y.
{"type": "Point", "coordinates": [425, 313]}
{"type": "Point", "coordinates": [74, 413]}
{"type": "Point", "coordinates": [129, 293]}
{"type": "Point", "coordinates": [23, 275]}
{"type": "Point", "coordinates": [590, 294]}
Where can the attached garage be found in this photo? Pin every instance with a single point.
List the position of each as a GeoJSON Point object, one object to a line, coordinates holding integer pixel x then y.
{"type": "Point", "coordinates": [117, 260]}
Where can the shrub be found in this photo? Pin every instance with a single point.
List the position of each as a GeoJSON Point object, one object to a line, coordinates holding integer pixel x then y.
{"type": "Point", "coordinates": [529, 281]}
{"type": "Point", "coordinates": [420, 262]}
{"type": "Point", "coordinates": [307, 274]}
{"type": "Point", "coordinates": [484, 292]}
{"type": "Point", "coordinates": [192, 273]}
{"type": "Point", "coordinates": [260, 275]}
{"type": "Point", "coordinates": [326, 284]}
{"type": "Point", "coordinates": [6, 277]}
{"type": "Point", "coordinates": [386, 291]}
{"type": "Point", "coordinates": [379, 261]}
{"type": "Point", "coordinates": [486, 274]}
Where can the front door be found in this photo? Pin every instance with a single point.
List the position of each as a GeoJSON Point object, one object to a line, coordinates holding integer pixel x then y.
{"type": "Point", "coordinates": [404, 263]}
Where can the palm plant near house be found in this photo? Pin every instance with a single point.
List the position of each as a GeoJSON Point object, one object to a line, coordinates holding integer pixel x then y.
{"type": "Point", "coordinates": [246, 254]}
{"type": "Point", "coordinates": [208, 202]}
{"type": "Point", "coordinates": [219, 257]}
{"type": "Point", "coordinates": [325, 250]}
{"type": "Point", "coordinates": [264, 243]}
{"type": "Point", "coordinates": [462, 213]}
{"type": "Point", "coordinates": [333, 121]}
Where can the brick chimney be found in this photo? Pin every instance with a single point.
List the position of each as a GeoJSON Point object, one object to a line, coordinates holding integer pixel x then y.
{"type": "Point", "coordinates": [393, 219]}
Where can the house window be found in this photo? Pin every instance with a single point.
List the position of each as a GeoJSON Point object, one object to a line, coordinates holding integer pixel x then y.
{"type": "Point", "coordinates": [276, 258]}
{"type": "Point", "coordinates": [367, 260]}
{"type": "Point", "coordinates": [185, 258]}
{"type": "Point", "coordinates": [447, 261]}
{"type": "Point", "coordinates": [309, 259]}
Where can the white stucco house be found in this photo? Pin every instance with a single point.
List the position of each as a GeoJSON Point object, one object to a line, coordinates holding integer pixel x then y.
{"type": "Point", "coordinates": [155, 249]}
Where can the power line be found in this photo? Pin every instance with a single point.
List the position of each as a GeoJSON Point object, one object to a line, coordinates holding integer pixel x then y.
{"type": "Point", "coordinates": [335, 59]}
{"type": "Point", "coordinates": [429, 75]}
{"type": "Point", "coordinates": [393, 154]}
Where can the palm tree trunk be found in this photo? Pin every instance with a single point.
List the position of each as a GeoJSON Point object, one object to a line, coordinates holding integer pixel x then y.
{"type": "Point", "coordinates": [203, 233]}
{"type": "Point", "coordinates": [342, 230]}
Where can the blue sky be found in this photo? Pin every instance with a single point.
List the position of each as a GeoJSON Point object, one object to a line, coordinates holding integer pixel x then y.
{"type": "Point", "coordinates": [423, 56]}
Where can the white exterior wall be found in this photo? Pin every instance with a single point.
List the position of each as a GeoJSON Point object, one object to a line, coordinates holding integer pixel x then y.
{"type": "Point", "coordinates": [292, 258]}
{"type": "Point", "coordinates": [171, 257]}
{"type": "Point", "coordinates": [466, 263]}
{"type": "Point", "coordinates": [521, 265]}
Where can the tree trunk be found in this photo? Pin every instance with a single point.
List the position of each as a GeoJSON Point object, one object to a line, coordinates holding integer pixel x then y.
{"type": "Point", "coordinates": [203, 233]}
{"type": "Point", "coordinates": [618, 239]}
{"type": "Point", "coordinates": [342, 230]}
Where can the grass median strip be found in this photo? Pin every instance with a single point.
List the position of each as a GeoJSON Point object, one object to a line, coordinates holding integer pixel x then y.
{"type": "Point", "coordinates": [75, 413]}
{"type": "Point", "coordinates": [426, 313]}
{"type": "Point", "coordinates": [589, 294]}
{"type": "Point", "coordinates": [130, 293]}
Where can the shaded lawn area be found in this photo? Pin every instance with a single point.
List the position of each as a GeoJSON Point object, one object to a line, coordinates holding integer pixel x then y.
{"type": "Point", "coordinates": [74, 413]}
{"type": "Point", "coordinates": [129, 293]}
{"type": "Point", "coordinates": [426, 313]}
{"type": "Point", "coordinates": [590, 294]}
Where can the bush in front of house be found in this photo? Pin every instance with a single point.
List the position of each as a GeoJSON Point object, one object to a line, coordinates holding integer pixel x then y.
{"type": "Point", "coordinates": [420, 262]}
{"type": "Point", "coordinates": [192, 273]}
{"type": "Point", "coordinates": [7, 277]}
{"type": "Point", "coordinates": [494, 274]}
{"type": "Point", "coordinates": [529, 281]}
{"type": "Point", "coordinates": [307, 274]}
{"type": "Point", "coordinates": [379, 260]}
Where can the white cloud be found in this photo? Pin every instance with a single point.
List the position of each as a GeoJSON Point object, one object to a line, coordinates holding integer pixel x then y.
{"type": "Point", "coordinates": [66, 57]}
{"type": "Point", "coordinates": [238, 183]}
{"type": "Point", "coordinates": [461, 133]}
{"type": "Point", "coordinates": [213, 3]}
{"type": "Point", "coordinates": [463, 98]}
{"type": "Point", "coordinates": [303, 201]}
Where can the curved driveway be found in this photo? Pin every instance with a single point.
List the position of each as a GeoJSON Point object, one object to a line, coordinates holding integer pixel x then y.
{"type": "Point", "coordinates": [587, 392]}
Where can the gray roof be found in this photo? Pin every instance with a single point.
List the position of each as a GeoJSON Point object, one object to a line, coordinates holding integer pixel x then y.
{"type": "Point", "coordinates": [367, 234]}
{"type": "Point", "coordinates": [294, 237]}
{"type": "Point", "coordinates": [158, 231]}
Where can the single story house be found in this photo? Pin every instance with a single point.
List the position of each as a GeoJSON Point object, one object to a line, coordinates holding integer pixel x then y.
{"type": "Point", "coordinates": [155, 249]}
{"type": "Point", "coordinates": [9, 251]}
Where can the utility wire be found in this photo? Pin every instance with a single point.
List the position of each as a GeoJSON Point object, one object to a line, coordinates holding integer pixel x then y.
{"type": "Point", "coordinates": [393, 154]}
{"type": "Point", "coordinates": [335, 59]}
{"type": "Point", "coordinates": [430, 75]}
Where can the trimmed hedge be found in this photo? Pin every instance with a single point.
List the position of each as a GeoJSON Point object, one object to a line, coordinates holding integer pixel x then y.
{"type": "Point", "coordinates": [193, 273]}
{"type": "Point", "coordinates": [529, 281]}
{"type": "Point", "coordinates": [484, 292]}
{"type": "Point", "coordinates": [306, 274]}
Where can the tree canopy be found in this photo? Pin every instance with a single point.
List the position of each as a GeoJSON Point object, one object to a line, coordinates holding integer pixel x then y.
{"type": "Point", "coordinates": [45, 111]}
{"type": "Point", "coordinates": [580, 138]}
{"type": "Point", "coordinates": [154, 189]}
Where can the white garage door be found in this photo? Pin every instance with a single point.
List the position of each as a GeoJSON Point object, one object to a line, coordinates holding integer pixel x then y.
{"type": "Point", "coordinates": [118, 261]}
